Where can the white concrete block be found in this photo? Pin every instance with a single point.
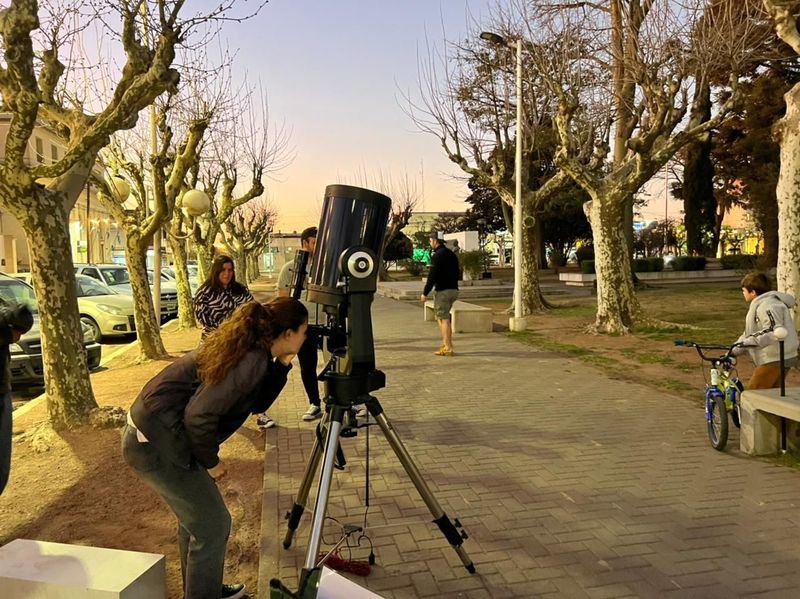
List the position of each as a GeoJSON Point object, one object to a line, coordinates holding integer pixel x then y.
{"type": "Point", "coordinates": [761, 412]}
{"type": "Point", "coordinates": [42, 570]}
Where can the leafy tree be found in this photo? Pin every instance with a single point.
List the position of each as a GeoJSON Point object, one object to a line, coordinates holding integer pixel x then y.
{"type": "Point", "coordinates": [747, 157]}
{"type": "Point", "coordinates": [563, 220]}
{"type": "Point", "coordinates": [449, 223]}
{"type": "Point", "coordinates": [401, 248]}
{"type": "Point", "coordinates": [697, 189]}
{"type": "Point", "coordinates": [485, 203]}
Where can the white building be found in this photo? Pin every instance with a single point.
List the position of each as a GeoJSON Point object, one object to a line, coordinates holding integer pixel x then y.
{"type": "Point", "coordinates": [95, 236]}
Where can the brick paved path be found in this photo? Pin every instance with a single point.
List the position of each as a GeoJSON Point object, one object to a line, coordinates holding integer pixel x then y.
{"type": "Point", "coordinates": [570, 484]}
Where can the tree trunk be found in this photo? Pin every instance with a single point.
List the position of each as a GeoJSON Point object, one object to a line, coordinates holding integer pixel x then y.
{"type": "Point", "coordinates": [532, 298]}
{"type": "Point", "coordinates": [148, 329]}
{"type": "Point", "coordinates": [255, 271]}
{"type": "Point", "coordinates": [787, 130]}
{"type": "Point", "coordinates": [185, 308]}
{"type": "Point", "coordinates": [617, 305]}
{"type": "Point", "coordinates": [205, 255]}
{"type": "Point", "coordinates": [69, 391]}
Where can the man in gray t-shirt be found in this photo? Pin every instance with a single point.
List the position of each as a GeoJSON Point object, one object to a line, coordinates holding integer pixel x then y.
{"type": "Point", "coordinates": [307, 356]}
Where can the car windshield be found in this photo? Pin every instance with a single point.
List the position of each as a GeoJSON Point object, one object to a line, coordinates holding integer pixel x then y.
{"type": "Point", "coordinates": [150, 277]}
{"type": "Point", "coordinates": [88, 287]}
{"type": "Point", "coordinates": [115, 276]}
{"type": "Point", "coordinates": [169, 272]}
{"type": "Point", "coordinates": [13, 291]}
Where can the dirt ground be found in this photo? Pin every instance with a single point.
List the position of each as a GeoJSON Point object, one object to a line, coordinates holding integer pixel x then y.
{"type": "Point", "coordinates": [712, 314]}
{"type": "Point", "coordinates": [80, 491]}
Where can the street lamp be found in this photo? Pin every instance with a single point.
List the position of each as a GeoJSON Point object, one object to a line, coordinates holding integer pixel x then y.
{"type": "Point", "coordinates": [518, 322]}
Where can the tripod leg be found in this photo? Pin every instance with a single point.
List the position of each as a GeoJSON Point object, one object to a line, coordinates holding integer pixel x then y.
{"type": "Point", "coordinates": [298, 508]}
{"type": "Point", "coordinates": [447, 527]}
{"type": "Point", "coordinates": [325, 477]}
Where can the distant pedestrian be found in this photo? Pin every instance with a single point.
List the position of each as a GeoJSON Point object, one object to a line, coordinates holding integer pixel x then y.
{"type": "Point", "coordinates": [219, 295]}
{"type": "Point", "coordinates": [307, 356]}
{"type": "Point", "coordinates": [181, 417]}
{"type": "Point", "coordinates": [15, 321]}
{"type": "Point", "coordinates": [443, 278]}
{"type": "Point", "coordinates": [768, 309]}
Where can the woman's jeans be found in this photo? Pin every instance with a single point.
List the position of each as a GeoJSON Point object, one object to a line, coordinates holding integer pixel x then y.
{"type": "Point", "coordinates": [5, 439]}
{"type": "Point", "coordinates": [204, 522]}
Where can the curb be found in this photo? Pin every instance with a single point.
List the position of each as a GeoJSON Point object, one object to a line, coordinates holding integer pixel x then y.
{"type": "Point", "coordinates": [32, 403]}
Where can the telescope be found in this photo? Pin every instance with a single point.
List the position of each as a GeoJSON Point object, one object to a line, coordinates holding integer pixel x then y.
{"type": "Point", "coordinates": [343, 281]}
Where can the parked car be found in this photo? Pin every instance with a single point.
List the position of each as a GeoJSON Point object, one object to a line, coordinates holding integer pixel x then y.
{"type": "Point", "coordinates": [103, 310]}
{"type": "Point", "coordinates": [25, 277]}
{"type": "Point", "coordinates": [117, 277]}
{"type": "Point", "coordinates": [169, 271]}
{"type": "Point", "coordinates": [26, 354]}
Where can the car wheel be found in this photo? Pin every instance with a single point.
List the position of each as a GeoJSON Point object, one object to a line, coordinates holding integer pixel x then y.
{"type": "Point", "coordinates": [89, 322]}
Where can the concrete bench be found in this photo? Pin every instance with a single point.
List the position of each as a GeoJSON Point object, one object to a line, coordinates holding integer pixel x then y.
{"type": "Point", "coordinates": [761, 413]}
{"type": "Point", "coordinates": [467, 318]}
{"type": "Point", "coordinates": [58, 571]}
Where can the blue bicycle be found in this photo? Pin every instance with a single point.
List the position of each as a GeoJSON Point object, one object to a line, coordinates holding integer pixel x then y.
{"type": "Point", "coordinates": [722, 392]}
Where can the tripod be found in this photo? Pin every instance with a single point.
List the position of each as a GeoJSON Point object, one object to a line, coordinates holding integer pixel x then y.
{"type": "Point", "coordinates": [344, 391]}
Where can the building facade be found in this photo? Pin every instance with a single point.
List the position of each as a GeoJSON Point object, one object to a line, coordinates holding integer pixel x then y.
{"type": "Point", "coordinates": [95, 235]}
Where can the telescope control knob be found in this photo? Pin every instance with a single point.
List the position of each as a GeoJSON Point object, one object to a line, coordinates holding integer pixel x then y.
{"type": "Point", "coordinates": [359, 264]}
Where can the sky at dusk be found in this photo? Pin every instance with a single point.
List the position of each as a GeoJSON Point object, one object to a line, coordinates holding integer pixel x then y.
{"type": "Point", "coordinates": [335, 72]}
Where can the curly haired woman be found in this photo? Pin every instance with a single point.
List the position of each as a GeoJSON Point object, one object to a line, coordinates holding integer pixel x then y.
{"type": "Point", "coordinates": [180, 418]}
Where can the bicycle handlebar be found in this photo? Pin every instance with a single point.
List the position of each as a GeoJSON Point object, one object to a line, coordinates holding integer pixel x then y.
{"type": "Point", "coordinates": [699, 347]}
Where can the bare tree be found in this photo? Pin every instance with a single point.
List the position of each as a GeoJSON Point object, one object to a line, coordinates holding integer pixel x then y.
{"type": "Point", "coordinates": [162, 170]}
{"type": "Point", "coordinates": [403, 193]}
{"type": "Point", "coordinates": [247, 234]}
{"type": "Point", "coordinates": [787, 130]}
{"type": "Point", "coordinates": [37, 84]}
{"type": "Point", "coordinates": [655, 52]}
{"type": "Point", "coordinates": [158, 179]}
{"type": "Point", "coordinates": [247, 142]}
{"type": "Point", "coordinates": [468, 101]}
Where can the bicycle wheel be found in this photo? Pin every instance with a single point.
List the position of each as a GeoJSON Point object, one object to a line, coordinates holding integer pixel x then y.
{"type": "Point", "coordinates": [717, 417]}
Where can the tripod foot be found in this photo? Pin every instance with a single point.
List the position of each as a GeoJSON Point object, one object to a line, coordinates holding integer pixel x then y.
{"type": "Point", "coordinates": [456, 539]}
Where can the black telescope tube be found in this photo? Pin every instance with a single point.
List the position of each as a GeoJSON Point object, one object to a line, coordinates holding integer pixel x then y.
{"type": "Point", "coordinates": [351, 217]}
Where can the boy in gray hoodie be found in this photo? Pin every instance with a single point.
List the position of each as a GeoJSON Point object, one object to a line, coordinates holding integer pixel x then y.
{"type": "Point", "coordinates": [768, 310]}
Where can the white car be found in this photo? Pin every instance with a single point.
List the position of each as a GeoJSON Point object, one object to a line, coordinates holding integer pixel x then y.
{"type": "Point", "coordinates": [169, 271]}
{"type": "Point", "coordinates": [103, 310]}
{"type": "Point", "coordinates": [116, 276]}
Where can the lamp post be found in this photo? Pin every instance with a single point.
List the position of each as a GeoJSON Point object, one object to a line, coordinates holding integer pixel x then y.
{"type": "Point", "coordinates": [518, 322]}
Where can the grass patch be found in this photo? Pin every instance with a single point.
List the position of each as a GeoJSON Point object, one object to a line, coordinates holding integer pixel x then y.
{"type": "Point", "coordinates": [646, 357]}
{"type": "Point", "coordinates": [598, 360]}
{"type": "Point", "coordinates": [675, 385]}
{"type": "Point", "coordinates": [789, 459]}
{"type": "Point", "coordinates": [542, 342]}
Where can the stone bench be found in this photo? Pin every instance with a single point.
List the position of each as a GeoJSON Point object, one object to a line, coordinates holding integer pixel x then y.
{"type": "Point", "coordinates": [58, 571]}
{"type": "Point", "coordinates": [761, 413]}
{"type": "Point", "coordinates": [467, 318]}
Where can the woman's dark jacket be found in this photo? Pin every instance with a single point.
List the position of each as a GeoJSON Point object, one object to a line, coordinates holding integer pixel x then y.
{"type": "Point", "coordinates": [186, 420]}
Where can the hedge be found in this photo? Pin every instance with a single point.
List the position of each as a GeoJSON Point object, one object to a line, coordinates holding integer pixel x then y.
{"type": "Point", "coordinates": [689, 263]}
{"type": "Point", "coordinates": [739, 262]}
{"type": "Point", "coordinates": [648, 264]}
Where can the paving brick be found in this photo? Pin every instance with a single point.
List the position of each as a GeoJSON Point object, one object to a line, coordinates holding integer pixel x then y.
{"type": "Point", "coordinates": [555, 505]}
